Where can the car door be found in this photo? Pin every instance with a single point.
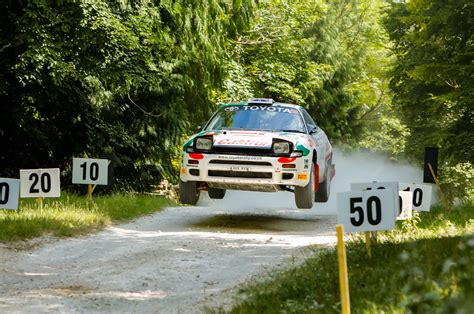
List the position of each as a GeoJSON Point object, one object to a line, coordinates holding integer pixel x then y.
{"type": "Point", "coordinates": [323, 147]}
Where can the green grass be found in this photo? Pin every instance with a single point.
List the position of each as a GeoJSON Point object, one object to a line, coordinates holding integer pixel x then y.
{"type": "Point", "coordinates": [70, 216]}
{"type": "Point", "coordinates": [422, 267]}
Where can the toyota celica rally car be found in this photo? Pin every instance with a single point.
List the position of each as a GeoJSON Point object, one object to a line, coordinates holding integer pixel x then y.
{"type": "Point", "coordinates": [258, 145]}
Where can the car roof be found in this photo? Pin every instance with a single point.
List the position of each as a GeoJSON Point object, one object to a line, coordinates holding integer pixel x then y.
{"type": "Point", "coordinates": [253, 102]}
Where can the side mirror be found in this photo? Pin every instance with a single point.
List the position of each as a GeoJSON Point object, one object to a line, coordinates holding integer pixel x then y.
{"type": "Point", "coordinates": [314, 130]}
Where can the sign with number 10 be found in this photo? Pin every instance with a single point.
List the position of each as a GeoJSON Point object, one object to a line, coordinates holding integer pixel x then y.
{"type": "Point", "coordinates": [370, 210]}
{"type": "Point", "coordinates": [90, 171]}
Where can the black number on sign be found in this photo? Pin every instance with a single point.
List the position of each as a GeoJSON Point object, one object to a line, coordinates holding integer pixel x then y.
{"type": "Point", "coordinates": [417, 197]}
{"type": "Point", "coordinates": [93, 173]}
{"type": "Point", "coordinates": [378, 211]}
{"type": "Point", "coordinates": [35, 178]}
{"type": "Point", "coordinates": [400, 201]}
{"type": "Point", "coordinates": [357, 209]}
{"type": "Point", "coordinates": [84, 168]}
{"type": "Point", "coordinates": [45, 183]}
{"type": "Point", "coordinates": [4, 194]}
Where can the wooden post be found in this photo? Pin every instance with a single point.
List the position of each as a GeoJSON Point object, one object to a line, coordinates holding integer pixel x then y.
{"type": "Point", "coordinates": [368, 243]}
{"type": "Point", "coordinates": [40, 204]}
{"type": "Point", "coordinates": [343, 278]}
{"type": "Point", "coordinates": [89, 195]}
{"type": "Point", "coordinates": [443, 199]}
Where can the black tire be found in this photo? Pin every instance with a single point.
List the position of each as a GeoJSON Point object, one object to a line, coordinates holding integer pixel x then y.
{"type": "Point", "coordinates": [188, 192]}
{"type": "Point", "coordinates": [324, 190]}
{"type": "Point", "coordinates": [304, 196]}
{"type": "Point", "coordinates": [215, 193]}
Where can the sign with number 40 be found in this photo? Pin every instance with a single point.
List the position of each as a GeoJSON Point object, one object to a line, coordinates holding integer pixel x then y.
{"type": "Point", "coordinates": [90, 171]}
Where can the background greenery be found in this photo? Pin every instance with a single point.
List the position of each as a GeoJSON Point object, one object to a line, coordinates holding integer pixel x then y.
{"type": "Point", "coordinates": [128, 80]}
{"type": "Point", "coordinates": [424, 266]}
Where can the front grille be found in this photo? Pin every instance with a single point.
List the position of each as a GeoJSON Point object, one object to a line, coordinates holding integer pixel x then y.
{"type": "Point", "coordinates": [240, 174]}
{"type": "Point", "coordinates": [241, 162]}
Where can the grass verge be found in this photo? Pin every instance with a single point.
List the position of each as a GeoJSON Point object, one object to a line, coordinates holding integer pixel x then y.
{"type": "Point", "coordinates": [424, 266]}
{"type": "Point", "coordinates": [69, 215]}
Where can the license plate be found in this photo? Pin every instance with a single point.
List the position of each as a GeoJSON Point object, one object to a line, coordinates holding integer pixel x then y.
{"type": "Point", "coordinates": [238, 168]}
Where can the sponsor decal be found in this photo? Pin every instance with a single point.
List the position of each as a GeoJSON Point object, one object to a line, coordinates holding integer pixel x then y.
{"type": "Point", "coordinates": [302, 176]}
{"type": "Point", "coordinates": [242, 142]}
{"type": "Point", "coordinates": [306, 164]}
{"type": "Point", "coordinates": [268, 108]}
{"type": "Point", "coordinates": [232, 108]}
{"type": "Point", "coordinates": [239, 157]}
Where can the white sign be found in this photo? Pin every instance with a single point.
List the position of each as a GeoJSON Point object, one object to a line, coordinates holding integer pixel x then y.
{"type": "Point", "coordinates": [9, 193]}
{"type": "Point", "coordinates": [393, 186]}
{"type": "Point", "coordinates": [90, 171]}
{"type": "Point", "coordinates": [370, 210]}
{"type": "Point", "coordinates": [421, 195]}
{"type": "Point", "coordinates": [40, 183]}
{"type": "Point", "coordinates": [406, 205]}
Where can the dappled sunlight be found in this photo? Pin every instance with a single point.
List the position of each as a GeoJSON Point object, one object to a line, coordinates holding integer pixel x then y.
{"type": "Point", "coordinates": [251, 239]}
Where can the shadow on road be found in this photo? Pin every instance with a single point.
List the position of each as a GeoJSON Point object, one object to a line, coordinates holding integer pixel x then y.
{"type": "Point", "coordinates": [255, 223]}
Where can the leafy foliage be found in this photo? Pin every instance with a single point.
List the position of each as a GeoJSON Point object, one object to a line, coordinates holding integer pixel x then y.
{"type": "Point", "coordinates": [433, 79]}
{"type": "Point", "coordinates": [106, 77]}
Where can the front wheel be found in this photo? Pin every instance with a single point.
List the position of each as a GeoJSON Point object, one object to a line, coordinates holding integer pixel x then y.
{"type": "Point", "coordinates": [188, 192]}
{"type": "Point", "coordinates": [216, 193]}
{"type": "Point", "coordinates": [304, 196]}
{"type": "Point", "coordinates": [322, 195]}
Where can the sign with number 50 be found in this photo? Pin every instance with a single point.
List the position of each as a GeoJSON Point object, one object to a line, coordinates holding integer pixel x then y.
{"type": "Point", "coordinates": [371, 210]}
{"type": "Point", "coordinates": [90, 171]}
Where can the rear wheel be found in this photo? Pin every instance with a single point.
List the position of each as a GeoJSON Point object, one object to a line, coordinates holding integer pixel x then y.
{"type": "Point", "coordinates": [216, 193]}
{"type": "Point", "coordinates": [304, 196]}
{"type": "Point", "coordinates": [188, 192]}
{"type": "Point", "coordinates": [322, 195]}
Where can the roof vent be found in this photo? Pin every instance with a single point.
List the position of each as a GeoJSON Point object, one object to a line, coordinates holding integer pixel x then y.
{"type": "Point", "coordinates": [260, 101]}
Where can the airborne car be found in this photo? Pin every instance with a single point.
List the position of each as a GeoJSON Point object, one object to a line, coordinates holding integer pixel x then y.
{"type": "Point", "coordinates": [258, 145]}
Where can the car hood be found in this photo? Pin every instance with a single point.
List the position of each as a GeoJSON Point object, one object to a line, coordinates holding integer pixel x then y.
{"type": "Point", "coordinates": [249, 139]}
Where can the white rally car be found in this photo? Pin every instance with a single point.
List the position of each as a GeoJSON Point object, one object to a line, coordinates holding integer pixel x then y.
{"type": "Point", "coordinates": [258, 145]}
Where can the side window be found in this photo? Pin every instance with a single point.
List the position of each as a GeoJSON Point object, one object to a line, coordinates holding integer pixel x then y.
{"type": "Point", "coordinates": [310, 124]}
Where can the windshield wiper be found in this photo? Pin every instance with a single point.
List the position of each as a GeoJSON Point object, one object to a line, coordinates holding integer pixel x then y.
{"type": "Point", "coordinates": [294, 131]}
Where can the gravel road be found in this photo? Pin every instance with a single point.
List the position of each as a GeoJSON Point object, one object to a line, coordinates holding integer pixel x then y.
{"type": "Point", "coordinates": [175, 261]}
{"type": "Point", "coordinates": [183, 258]}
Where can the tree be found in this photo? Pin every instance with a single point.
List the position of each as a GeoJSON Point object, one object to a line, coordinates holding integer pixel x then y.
{"type": "Point", "coordinates": [122, 78]}
{"type": "Point", "coordinates": [434, 79]}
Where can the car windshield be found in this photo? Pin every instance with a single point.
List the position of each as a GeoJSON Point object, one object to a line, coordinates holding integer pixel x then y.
{"type": "Point", "coordinates": [268, 118]}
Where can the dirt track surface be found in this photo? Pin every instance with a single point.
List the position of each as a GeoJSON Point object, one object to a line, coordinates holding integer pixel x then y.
{"type": "Point", "coordinates": [175, 261]}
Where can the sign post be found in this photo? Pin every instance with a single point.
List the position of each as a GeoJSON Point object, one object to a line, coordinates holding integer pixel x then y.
{"type": "Point", "coordinates": [371, 235]}
{"type": "Point", "coordinates": [9, 193]}
{"type": "Point", "coordinates": [92, 172]}
{"type": "Point", "coordinates": [40, 183]}
{"type": "Point", "coordinates": [343, 277]}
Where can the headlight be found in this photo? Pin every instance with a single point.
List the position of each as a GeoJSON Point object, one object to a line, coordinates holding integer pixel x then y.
{"type": "Point", "coordinates": [281, 148]}
{"type": "Point", "coordinates": [203, 143]}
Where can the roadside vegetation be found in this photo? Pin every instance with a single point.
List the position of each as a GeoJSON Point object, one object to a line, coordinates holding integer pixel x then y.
{"type": "Point", "coordinates": [425, 266]}
{"type": "Point", "coordinates": [69, 215]}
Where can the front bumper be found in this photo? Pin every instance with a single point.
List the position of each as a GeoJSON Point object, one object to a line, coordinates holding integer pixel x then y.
{"type": "Point", "coordinates": [243, 172]}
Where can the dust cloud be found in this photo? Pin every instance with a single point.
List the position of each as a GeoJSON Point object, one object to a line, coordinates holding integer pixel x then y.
{"type": "Point", "coordinates": [351, 167]}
